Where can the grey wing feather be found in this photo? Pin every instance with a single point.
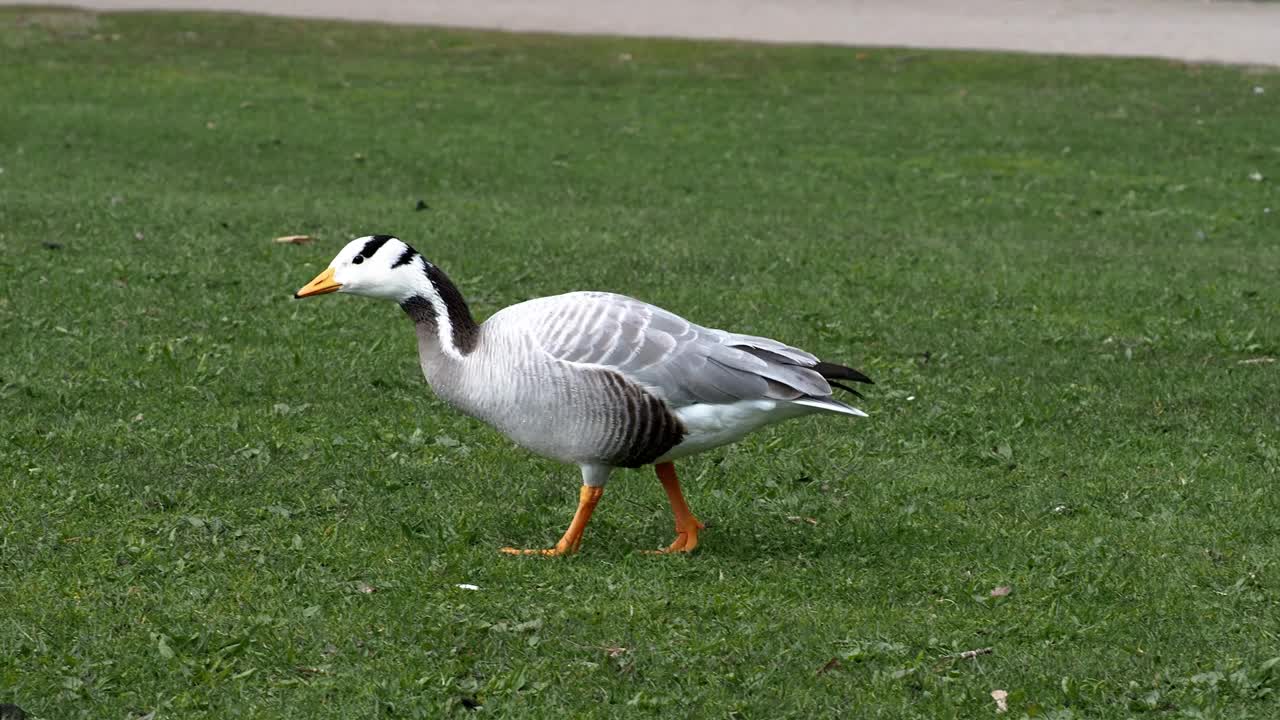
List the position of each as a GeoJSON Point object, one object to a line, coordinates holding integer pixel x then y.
{"type": "Point", "coordinates": [681, 362]}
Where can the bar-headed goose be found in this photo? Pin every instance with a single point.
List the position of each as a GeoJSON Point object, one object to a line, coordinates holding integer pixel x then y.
{"type": "Point", "coordinates": [591, 378]}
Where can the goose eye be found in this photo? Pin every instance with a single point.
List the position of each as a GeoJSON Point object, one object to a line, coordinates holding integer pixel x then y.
{"type": "Point", "coordinates": [357, 260]}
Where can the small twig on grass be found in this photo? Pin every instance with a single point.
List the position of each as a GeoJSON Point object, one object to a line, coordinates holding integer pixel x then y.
{"type": "Point", "coordinates": [612, 651]}
{"type": "Point", "coordinates": [947, 660]}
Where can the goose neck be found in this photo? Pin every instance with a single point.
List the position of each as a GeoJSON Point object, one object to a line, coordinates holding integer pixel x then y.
{"type": "Point", "coordinates": [439, 309]}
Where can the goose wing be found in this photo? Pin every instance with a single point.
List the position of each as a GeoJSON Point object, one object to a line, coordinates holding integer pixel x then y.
{"type": "Point", "coordinates": [680, 362]}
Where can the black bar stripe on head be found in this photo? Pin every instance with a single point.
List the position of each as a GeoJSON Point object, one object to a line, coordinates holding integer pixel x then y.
{"type": "Point", "coordinates": [371, 247]}
{"type": "Point", "coordinates": [406, 257]}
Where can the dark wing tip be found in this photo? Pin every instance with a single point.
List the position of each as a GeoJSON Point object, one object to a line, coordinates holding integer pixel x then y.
{"type": "Point", "coordinates": [833, 371]}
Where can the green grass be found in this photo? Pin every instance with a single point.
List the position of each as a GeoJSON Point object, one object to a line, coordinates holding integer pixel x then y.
{"type": "Point", "coordinates": [218, 502]}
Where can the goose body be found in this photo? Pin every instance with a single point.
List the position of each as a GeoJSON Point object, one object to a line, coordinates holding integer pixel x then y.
{"type": "Point", "coordinates": [623, 383]}
{"type": "Point", "coordinates": [591, 378]}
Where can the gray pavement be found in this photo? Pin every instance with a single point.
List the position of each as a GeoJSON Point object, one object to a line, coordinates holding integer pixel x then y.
{"type": "Point", "coordinates": [1202, 30]}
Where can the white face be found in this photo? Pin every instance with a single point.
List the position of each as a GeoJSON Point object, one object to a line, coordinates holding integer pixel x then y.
{"type": "Point", "coordinates": [379, 267]}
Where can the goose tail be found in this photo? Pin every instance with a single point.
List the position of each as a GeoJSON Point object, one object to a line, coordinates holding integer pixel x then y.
{"type": "Point", "coordinates": [830, 405]}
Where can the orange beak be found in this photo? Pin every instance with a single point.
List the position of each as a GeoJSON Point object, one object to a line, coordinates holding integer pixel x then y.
{"type": "Point", "coordinates": [324, 283]}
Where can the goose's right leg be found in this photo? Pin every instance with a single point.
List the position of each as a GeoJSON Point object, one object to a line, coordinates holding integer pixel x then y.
{"type": "Point", "coordinates": [593, 480]}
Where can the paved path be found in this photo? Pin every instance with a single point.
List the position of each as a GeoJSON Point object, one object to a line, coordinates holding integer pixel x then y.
{"type": "Point", "coordinates": [1214, 30]}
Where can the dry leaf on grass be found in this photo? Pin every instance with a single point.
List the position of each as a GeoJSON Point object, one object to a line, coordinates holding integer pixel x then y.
{"type": "Point", "coordinates": [832, 664]}
{"type": "Point", "coordinates": [294, 239]}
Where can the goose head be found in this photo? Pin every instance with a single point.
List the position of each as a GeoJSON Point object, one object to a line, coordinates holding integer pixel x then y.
{"type": "Point", "coordinates": [377, 266]}
{"type": "Point", "coordinates": [384, 267]}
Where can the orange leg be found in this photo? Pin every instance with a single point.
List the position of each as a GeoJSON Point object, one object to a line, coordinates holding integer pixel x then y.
{"type": "Point", "coordinates": [587, 499]}
{"type": "Point", "coordinates": [687, 526]}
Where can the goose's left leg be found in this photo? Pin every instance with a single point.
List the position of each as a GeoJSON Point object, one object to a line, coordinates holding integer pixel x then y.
{"type": "Point", "coordinates": [593, 480]}
{"type": "Point", "coordinates": [687, 526]}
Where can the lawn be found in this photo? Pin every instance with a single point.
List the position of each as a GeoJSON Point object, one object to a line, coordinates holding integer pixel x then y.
{"type": "Point", "coordinates": [220, 502]}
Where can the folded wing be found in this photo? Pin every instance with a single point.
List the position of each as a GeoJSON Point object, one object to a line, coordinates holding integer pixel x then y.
{"type": "Point", "coordinates": [676, 360]}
